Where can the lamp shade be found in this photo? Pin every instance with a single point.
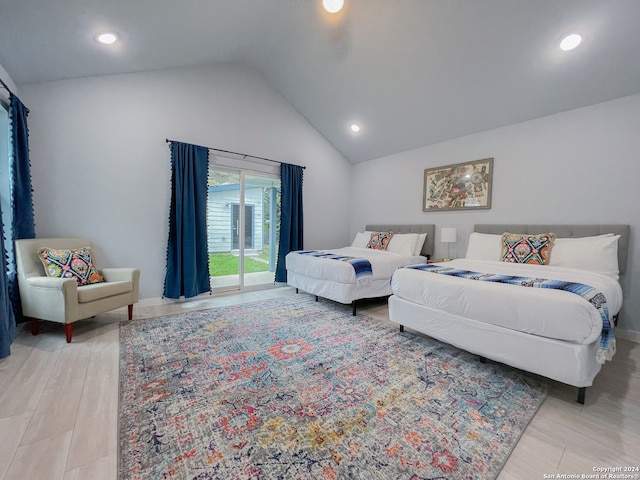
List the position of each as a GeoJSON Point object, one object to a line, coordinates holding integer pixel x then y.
{"type": "Point", "coordinates": [448, 235]}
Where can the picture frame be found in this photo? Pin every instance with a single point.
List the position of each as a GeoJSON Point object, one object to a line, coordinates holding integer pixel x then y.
{"type": "Point", "coordinates": [460, 186]}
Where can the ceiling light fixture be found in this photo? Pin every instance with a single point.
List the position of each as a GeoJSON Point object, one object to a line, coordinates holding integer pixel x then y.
{"type": "Point", "coordinates": [570, 41]}
{"type": "Point", "coordinates": [332, 6]}
{"type": "Point", "coordinates": [355, 128]}
{"type": "Point", "coordinates": [107, 38]}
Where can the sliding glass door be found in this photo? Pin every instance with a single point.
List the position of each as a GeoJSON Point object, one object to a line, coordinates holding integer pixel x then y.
{"type": "Point", "coordinates": [243, 226]}
{"type": "Point", "coordinates": [5, 180]}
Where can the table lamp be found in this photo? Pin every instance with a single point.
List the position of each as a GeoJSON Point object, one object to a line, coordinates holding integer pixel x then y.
{"type": "Point", "coordinates": [448, 235]}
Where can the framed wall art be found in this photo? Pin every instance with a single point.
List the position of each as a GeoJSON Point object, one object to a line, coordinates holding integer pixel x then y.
{"type": "Point", "coordinates": [461, 186]}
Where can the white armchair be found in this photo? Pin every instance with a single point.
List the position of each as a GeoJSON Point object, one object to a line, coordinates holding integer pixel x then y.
{"type": "Point", "coordinates": [62, 300]}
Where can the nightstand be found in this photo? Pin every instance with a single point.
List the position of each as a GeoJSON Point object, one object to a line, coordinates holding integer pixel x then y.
{"type": "Point", "coordinates": [439, 260]}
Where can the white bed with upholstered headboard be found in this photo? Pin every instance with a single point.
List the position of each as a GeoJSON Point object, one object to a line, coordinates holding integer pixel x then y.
{"type": "Point", "coordinates": [359, 271]}
{"type": "Point", "coordinates": [481, 303]}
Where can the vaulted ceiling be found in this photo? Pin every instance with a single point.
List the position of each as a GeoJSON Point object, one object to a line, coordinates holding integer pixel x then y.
{"type": "Point", "coordinates": [410, 72]}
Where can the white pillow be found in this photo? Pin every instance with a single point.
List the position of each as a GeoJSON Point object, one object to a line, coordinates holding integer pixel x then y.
{"type": "Point", "coordinates": [403, 244]}
{"type": "Point", "coordinates": [595, 254]}
{"type": "Point", "coordinates": [484, 246]}
{"type": "Point", "coordinates": [422, 237]}
{"type": "Point", "coordinates": [361, 239]}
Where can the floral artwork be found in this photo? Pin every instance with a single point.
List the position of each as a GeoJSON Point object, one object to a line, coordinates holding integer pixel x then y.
{"type": "Point", "coordinates": [458, 187]}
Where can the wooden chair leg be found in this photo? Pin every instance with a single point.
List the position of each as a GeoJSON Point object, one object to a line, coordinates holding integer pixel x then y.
{"type": "Point", "coordinates": [68, 328]}
{"type": "Point", "coordinates": [34, 326]}
{"type": "Point", "coordinates": [131, 311]}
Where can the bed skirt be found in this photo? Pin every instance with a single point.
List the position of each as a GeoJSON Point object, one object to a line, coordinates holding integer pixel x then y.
{"type": "Point", "coordinates": [570, 363]}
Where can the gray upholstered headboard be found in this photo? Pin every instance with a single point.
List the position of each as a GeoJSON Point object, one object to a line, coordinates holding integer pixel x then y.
{"type": "Point", "coordinates": [567, 231]}
{"type": "Point", "coordinates": [428, 228]}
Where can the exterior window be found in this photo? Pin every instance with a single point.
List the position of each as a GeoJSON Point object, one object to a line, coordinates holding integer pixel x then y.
{"type": "Point", "coordinates": [5, 178]}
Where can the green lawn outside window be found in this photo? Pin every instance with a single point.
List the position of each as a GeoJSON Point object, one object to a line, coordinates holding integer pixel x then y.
{"type": "Point", "coordinates": [226, 264]}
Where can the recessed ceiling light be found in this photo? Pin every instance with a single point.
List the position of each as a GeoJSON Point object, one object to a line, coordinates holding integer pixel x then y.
{"type": "Point", "coordinates": [332, 6]}
{"type": "Point", "coordinates": [107, 38]}
{"type": "Point", "coordinates": [570, 41]}
{"type": "Point", "coordinates": [355, 127]}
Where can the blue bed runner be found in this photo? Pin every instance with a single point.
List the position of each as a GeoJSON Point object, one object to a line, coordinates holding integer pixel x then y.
{"type": "Point", "coordinates": [596, 298]}
{"type": "Point", "coordinates": [361, 266]}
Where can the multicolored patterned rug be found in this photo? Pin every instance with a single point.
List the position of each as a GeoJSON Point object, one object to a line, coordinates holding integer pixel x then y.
{"type": "Point", "coordinates": [297, 389]}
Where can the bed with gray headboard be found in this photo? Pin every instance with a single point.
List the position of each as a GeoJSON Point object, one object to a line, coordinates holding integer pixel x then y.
{"type": "Point", "coordinates": [339, 281]}
{"type": "Point", "coordinates": [563, 330]}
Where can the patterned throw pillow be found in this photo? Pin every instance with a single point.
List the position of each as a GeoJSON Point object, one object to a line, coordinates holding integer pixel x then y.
{"type": "Point", "coordinates": [76, 263]}
{"type": "Point", "coordinates": [379, 240]}
{"type": "Point", "coordinates": [532, 249]}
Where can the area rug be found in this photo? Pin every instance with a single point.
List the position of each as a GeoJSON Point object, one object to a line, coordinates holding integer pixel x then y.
{"type": "Point", "coordinates": [297, 389]}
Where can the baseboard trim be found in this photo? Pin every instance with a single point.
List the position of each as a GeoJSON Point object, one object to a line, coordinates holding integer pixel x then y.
{"type": "Point", "coordinates": [156, 301]}
{"type": "Point", "coordinates": [627, 334]}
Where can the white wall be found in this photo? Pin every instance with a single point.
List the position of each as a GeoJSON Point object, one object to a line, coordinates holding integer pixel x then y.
{"type": "Point", "coordinates": [101, 167]}
{"type": "Point", "coordinates": [580, 166]}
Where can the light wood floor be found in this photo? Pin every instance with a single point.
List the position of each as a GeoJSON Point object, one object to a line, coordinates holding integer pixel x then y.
{"type": "Point", "coordinates": [59, 404]}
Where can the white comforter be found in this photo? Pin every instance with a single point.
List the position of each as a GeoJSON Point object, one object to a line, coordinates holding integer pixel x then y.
{"type": "Point", "coordinates": [548, 313]}
{"type": "Point", "coordinates": [383, 264]}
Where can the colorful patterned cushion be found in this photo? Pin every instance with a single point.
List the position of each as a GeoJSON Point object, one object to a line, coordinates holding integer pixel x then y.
{"type": "Point", "coordinates": [531, 249]}
{"type": "Point", "coordinates": [76, 263]}
{"type": "Point", "coordinates": [379, 240]}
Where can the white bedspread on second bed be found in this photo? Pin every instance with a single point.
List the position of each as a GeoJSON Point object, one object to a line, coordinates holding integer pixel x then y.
{"type": "Point", "coordinates": [548, 313]}
{"type": "Point", "coordinates": [383, 264]}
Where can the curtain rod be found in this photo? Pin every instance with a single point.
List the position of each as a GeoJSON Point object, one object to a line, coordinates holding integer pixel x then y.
{"type": "Point", "coordinates": [244, 155]}
{"type": "Point", "coordinates": [6, 86]}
